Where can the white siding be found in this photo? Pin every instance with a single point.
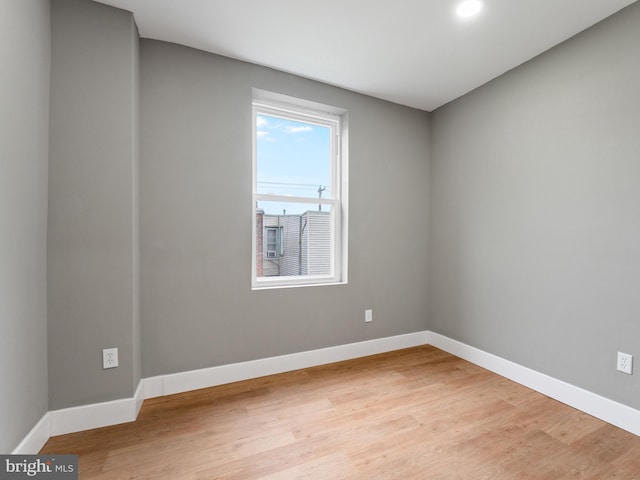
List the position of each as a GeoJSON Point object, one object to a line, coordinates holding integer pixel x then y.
{"type": "Point", "coordinates": [319, 246]}
{"type": "Point", "coordinates": [289, 262]}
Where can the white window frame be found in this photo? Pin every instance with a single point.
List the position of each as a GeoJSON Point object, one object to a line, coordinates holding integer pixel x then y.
{"type": "Point", "coordinates": [273, 104]}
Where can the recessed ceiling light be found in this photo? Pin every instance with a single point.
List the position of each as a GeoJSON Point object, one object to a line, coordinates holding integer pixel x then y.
{"type": "Point", "coordinates": [469, 8]}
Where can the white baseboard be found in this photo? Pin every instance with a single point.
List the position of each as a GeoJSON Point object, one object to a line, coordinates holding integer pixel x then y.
{"type": "Point", "coordinates": [96, 415]}
{"type": "Point", "coordinates": [138, 398]}
{"type": "Point", "coordinates": [209, 377]}
{"type": "Point", "coordinates": [36, 438]}
{"type": "Point", "coordinates": [612, 412]}
{"type": "Point", "coordinates": [85, 417]}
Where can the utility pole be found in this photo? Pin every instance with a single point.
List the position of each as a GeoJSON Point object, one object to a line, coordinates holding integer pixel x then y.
{"type": "Point", "coordinates": [320, 190]}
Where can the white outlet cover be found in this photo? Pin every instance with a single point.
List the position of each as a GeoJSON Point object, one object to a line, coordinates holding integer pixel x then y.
{"type": "Point", "coordinates": [625, 363]}
{"type": "Point", "coordinates": [109, 358]}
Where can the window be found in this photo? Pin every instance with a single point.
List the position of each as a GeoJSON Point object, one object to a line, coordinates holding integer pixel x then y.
{"type": "Point", "coordinates": [274, 241]}
{"type": "Point", "coordinates": [299, 192]}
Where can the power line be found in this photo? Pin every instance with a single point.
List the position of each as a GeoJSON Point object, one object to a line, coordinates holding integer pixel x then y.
{"type": "Point", "coordinates": [314, 185]}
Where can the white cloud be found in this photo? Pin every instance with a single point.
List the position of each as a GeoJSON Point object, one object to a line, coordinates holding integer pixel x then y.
{"type": "Point", "coordinates": [261, 122]}
{"type": "Point", "coordinates": [265, 136]}
{"type": "Point", "coordinates": [297, 129]}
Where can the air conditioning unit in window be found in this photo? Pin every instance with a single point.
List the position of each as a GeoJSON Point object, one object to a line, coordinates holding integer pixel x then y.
{"type": "Point", "coordinates": [272, 254]}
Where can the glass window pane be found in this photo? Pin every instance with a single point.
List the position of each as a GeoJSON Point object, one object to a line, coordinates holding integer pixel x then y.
{"type": "Point", "coordinates": [292, 157]}
{"type": "Point", "coordinates": [297, 239]}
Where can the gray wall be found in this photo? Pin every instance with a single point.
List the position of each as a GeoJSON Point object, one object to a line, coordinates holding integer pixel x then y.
{"type": "Point", "coordinates": [535, 211]}
{"type": "Point", "coordinates": [93, 229]}
{"type": "Point", "coordinates": [197, 304]}
{"type": "Point", "coordinates": [24, 139]}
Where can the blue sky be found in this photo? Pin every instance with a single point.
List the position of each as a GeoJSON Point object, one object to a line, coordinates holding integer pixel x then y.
{"type": "Point", "coordinates": [293, 159]}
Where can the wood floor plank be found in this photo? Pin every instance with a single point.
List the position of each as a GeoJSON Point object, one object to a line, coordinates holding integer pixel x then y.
{"type": "Point", "coordinates": [410, 414]}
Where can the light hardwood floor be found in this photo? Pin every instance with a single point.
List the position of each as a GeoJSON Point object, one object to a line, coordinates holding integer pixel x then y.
{"type": "Point", "coordinates": [418, 413]}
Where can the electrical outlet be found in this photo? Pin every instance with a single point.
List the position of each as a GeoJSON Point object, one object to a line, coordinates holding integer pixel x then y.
{"type": "Point", "coordinates": [625, 363]}
{"type": "Point", "coordinates": [109, 358]}
{"type": "Point", "coordinates": [368, 315]}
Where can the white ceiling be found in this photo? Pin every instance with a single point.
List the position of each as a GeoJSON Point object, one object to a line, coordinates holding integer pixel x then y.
{"type": "Point", "coordinates": [412, 52]}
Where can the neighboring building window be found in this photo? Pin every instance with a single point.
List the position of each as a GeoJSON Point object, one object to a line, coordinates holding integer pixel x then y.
{"type": "Point", "coordinates": [274, 242]}
{"type": "Point", "coordinates": [299, 192]}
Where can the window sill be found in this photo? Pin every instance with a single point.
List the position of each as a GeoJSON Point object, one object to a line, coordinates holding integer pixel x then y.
{"type": "Point", "coordinates": [276, 286]}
